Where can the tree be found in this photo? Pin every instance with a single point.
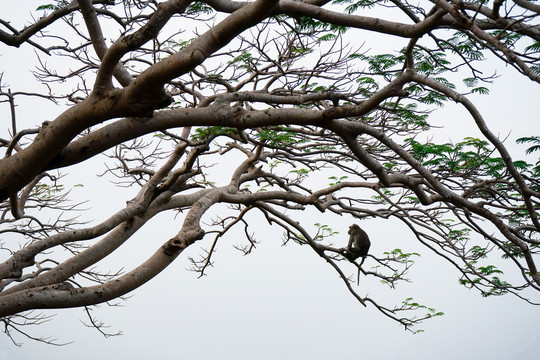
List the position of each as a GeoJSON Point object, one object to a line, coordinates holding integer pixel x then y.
{"type": "Point", "coordinates": [306, 120]}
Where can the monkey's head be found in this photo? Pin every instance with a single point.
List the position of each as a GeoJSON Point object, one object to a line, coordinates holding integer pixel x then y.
{"type": "Point", "coordinates": [353, 228]}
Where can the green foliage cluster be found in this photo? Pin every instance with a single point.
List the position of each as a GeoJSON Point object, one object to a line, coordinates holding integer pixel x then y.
{"type": "Point", "coordinates": [467, 158]}
{"type": "Point", "coordinates": [57, 5]}
{"type": "Point", "coordinates": [533, 170]}
{"type": "Point", "coordinates": [278, 136]}
{"type": "Point", "coordinates": [307, 24]}
{"type": "Point", "coordinates": [353, 6]}
{"type": "Point", "coordinates": [199, 7]}
{"type": "Point", "coordinates": [207, 132]}
{"type": "Point", "coordinates": [245, 61]}
{"type": "Point", "coordinates": [45, 191]}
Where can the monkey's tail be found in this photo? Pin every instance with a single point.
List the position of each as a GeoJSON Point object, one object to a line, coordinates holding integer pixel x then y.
{"type": "Point", "coordinates": [359, 267]}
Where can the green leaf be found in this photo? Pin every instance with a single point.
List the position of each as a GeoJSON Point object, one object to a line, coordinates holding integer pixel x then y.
{"type": "Point", "coordinates": [206, 132]}
{"type": "Point", "coordinates": [278, 136]}
{"type": "Point", "coordinates": [199, 7]}
{"type": "Point", "coordinates": [481, 90]}
{"type": "Point", "coordinates": [488, 270]}
{"type": "Point", "coordinates": [530, 139]}
{"type": "Point", "coordinates": [534, 47]}
{"type": "Point", "coordinates": [327, 37]}
{"type": "Point", "coordinates": [47, 7]}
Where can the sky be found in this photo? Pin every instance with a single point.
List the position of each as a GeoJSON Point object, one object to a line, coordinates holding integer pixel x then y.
{"type": "Point", "coordinates": [284, 302]}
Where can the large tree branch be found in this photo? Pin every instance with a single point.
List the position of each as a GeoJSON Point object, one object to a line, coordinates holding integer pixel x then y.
{"type": "Point", "coordinates": [111, 58]}
{"type": "Point", "coordinates": [200, 48]}
{"type": "Point", "coordinates": [125, 129]}
{"type": "Point", "coordinates": [297, 8]}
{"type": "Point", "coordinates": [64, 295]}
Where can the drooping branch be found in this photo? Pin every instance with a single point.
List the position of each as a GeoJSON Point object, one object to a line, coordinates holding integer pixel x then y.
{"type": "Point", "coordinates": [469, 24]}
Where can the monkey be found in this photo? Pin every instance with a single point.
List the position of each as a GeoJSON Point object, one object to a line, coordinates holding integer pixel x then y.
{"type": "Point", "coordinates": [358, 243]}
{"type": "Point", "coordinates": [358, 246]}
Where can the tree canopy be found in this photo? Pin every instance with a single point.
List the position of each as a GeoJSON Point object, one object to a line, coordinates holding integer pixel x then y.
{"type": "Point", "coordinates": [227, 114]}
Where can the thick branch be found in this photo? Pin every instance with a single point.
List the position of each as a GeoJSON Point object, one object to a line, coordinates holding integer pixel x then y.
{"type": "Point", "coordinates": [201, 47]}
{"type": "Point", "coordinates": [63, 295]}
{"type": "Point", "coordinates": [528, 5]}
{"type": "Point", "coordinates": [98, 41]}
{"type": "Point", "coordinates": [111, 58]}
{"type": "Point", "coordinates": [297, 9]}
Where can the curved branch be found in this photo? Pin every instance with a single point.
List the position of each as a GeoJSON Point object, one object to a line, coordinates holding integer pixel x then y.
{"type": "Point", "coordinates": [199, 49]}
{"type": "Point", "coordinates": [98, 41]}
{"type": "Point", "coordinates": [524, 189]}
{"type": "Point", "coordinates": [297, 9]}
{"type": "Point", "coordinates": [528, 5]}
{"type": "Point", "coordinates": [111, 58]}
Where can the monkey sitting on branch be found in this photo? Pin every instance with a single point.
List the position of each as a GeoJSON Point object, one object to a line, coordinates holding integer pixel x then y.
{"type": "Point", "coordinates": [358, 246]}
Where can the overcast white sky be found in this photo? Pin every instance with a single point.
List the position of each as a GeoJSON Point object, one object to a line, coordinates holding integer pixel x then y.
{"type": "Point", "coordinates": [286, 302]}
